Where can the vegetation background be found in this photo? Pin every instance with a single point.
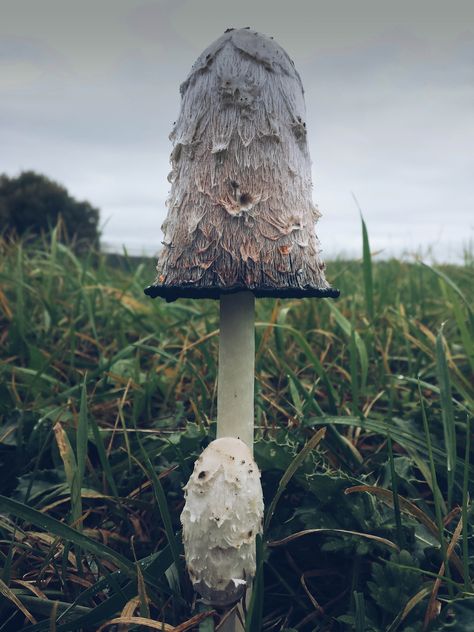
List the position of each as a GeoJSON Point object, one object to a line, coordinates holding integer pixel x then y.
{"type": "Point", "coordinates": [32, 204]}
{"type": "Point", "coordinates": [363, 410]}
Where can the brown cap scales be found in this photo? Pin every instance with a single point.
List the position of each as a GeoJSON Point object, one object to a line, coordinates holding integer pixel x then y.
{"type": "Point", "coordinates": [240, 210]}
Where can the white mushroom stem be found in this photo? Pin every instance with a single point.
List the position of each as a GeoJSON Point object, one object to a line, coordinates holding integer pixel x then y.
{"type": "Point", "coordinates": [235, 383]}
{"type": "Point", "coordinates": [235, 386]}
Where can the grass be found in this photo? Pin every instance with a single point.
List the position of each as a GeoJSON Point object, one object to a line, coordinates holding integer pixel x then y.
{"type": "Point", "coordinates": [363, 411]}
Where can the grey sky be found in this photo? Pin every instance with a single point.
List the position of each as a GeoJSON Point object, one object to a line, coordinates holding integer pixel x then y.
{"type": "Point", "coordinates": [89, 91]}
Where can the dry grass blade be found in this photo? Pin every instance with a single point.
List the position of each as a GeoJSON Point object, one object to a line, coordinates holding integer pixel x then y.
{"type": "Point", "coordinates": [31, 587]}
{"type": "Point", "coordinates": [158, 625]}
{"type": "Point", "coordinates": [405, 505]}
{"type": "Point", "coordinates": [368, 536]}
{"type": "Point", "coordinates": [409, 508]}
{"type": "Point", "coordinates": [407, 609]}
{"type": "Point", "coordinates": [433, 605]}
{"type": "Point", "coordinates": [71, 470]}
{"type": "Point", "coordinates": [311, 597]}
{"type": "Point", "coordinates": [190, 623]}
{"type": "Point", "coordinates": [130, 607]}
{"type": "Point", "coordinates": [149, 623]}
{"type": "Point", "coordinates": [53, 616]}
{"type": "Point", "coordinates": [10, 595]}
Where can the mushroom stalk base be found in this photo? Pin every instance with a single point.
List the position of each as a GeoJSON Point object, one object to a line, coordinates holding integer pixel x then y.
{"type": "Point", "coordinates": [235, 386]}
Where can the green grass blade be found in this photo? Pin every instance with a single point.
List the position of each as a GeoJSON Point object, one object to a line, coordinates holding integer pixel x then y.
{"type": "Point", "coordinates": [449, 427]}
{"type": "Point", "coordinates": [359, 605]}
{"type": "Point", "coordinates": [104, 461]}
{"type": "Point", "coordinates": [81, 435]}
{"type": "Point", "coordinates": [347, 328]}
{"type": "Point", "coordinates": [367, 271]}
{"type": "Point", "coordinates": [465, 517]}
{"type": "Point", "coordinates": [466, 331]}
{"type": "Point", "coordinates": [253, 620]}
{"type": "Point", "coordinates": [396, 501]}
{"type": "Point", "coordinates": [290, 471]}
{"type": "Point", "coordinates": [162, 503]}
{"type": "Point", "coordinates": [436, 492]}
{"type": "Point", "coordinates": [354, 373]}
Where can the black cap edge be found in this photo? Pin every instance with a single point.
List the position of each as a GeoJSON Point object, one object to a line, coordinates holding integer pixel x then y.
{"type": "Point", "coordinates": [172, 293]}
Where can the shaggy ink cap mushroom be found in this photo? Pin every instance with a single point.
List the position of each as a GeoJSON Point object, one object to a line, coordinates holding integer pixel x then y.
{"type": "Point", "coordinates": [240, 211]}
{"type": "Point", "coordinates": [221, 518]}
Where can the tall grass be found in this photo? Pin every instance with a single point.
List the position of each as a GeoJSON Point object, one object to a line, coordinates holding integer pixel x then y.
{"type": "Point", "coordinates": [107, 397]}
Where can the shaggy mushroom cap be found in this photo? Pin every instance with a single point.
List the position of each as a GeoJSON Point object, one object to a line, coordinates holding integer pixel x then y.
{"type": "Point", "coordinates": [240, 210]}
{"type": "Point", "coordinates": [222, 515]}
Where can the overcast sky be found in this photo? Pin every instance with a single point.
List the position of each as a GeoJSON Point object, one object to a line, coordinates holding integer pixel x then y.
{"type": "Point", "coordinates": [89, 91]}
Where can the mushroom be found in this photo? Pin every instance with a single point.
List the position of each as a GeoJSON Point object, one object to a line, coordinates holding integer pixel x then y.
{"type": "Point", "coordinates": [240, 225]}
{"type": "Point", "coordinates": [221, 518]}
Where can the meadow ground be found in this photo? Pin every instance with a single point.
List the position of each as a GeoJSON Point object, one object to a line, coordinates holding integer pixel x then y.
{"type": "Point", "coordinates": [363, 410]}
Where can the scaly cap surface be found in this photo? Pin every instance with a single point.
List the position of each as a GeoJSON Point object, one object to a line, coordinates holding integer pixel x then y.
{"type": "Point", "coordinates": [240, 211]}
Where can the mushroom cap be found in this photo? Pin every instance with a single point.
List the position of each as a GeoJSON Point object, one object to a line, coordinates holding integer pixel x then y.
{"type": "Point", "coordinates": [240, 211]}
{"type": "Point", "coordinates": [222, 515]}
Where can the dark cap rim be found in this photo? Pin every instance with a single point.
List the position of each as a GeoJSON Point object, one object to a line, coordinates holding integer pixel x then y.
{"type": "Point", "coordinates": [172, 293]}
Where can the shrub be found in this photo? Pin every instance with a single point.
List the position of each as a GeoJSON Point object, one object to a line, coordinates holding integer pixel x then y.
{"type": "Point", "coordinates": [33, 204]}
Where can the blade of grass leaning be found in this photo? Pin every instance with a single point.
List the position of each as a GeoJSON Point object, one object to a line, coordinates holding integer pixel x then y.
{"type": "Point", "coordinates": [347, 328]}
{"type": "Point", "coordinates": [442, 275]}
{"type": "Point", "coordinates": [63, 531]}
{"type": "Point", "coordinates": [465, 499]}
{"type": "Point", "coordinates": [53, 617]}
{"type": "Point", "coordinates": [447, 412]}
{"type": "Point", "coordinates": [354, 373]}
{"type": "Point", "coordinates": [396, 500]}
{"type": "Point", "coordinates": [71, 470]}
{"type": "Point", "coordinates": [423, 466]}
{"type": "Point", "coordinates": [103, 458]}
{"type": "Point", "coordinates": [290, 471]}
{"type": "Point", "coordinates": [10, 595]}
{"type": "Point", "coordinates": [359, 605]}
{"type": "Point", "coordinates": [437, 504]}
{"type": "Point", "coordinates": [367, 271]}
{"type": "Point", "coordinates": [414, 601]}
{"type": "Point", "coordinates": [42, 606]}
{"type": "Point", "coordinates": [53, 252]}
{"type": "Point", "coordinates": [343, 532]}
{"type": "Point", "coordinates": [162, 503]}
{"type": "Point", "coordinates": [432, 608]}
{"type": "Point", "coordinates": [142, 594]}
{"type": "Point", "coordinates": [466, 331]}
{"type": "Point", "coordinates": [158, 625]}
{"type": "Point", "coordinates": [19, 311]}
{"type": "Point", "coordinates": [81, 450]}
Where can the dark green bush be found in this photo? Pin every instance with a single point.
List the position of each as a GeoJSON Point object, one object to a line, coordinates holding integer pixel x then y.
{"type": "Point", "coordinates": [33, 204]}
